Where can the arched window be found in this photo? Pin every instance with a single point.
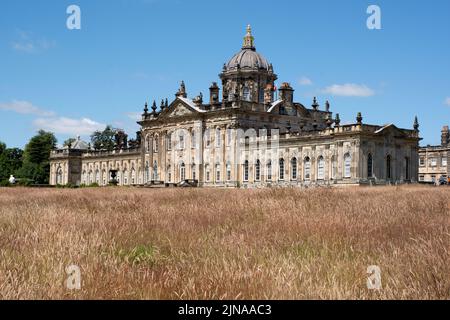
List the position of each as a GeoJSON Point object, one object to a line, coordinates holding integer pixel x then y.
{"type": "Point", "coordinates": [155, 171]}
{"type": "Point", "coordinates": [147, 171]}
{"type": "Point", "coordinates": [193, 140]}
{"type": "Point", "coordinates": [207, 173]}
{"type": "Point", "coordinates": [105, 177]}
{"type": "Point", "coordinates": [169, 173]}
{"type": "Point", "coordinates": [321, 168]}
{"type": "Point", "coordinates": [246, 94]}
{"type": "Point", "coordinates": [407, 177]}
{"type": "Point", "coordinates": [369, 166]}
{"type": "Point", "coordinates": [156, 144]}
{"type": "Point", "coordinates": [258, 170]}
{"type": "Point", "coordinates": [333, 167]}
{"type": "Point", "coordinates": [294, 169]}
{"type": "Point", "coordinates": [133, 176]}
{"type": "Point", "coordinates": [182, 171]}
{"type": "Point", "coordinates": [59, 176]}
{"type": "Point", "coordinates": [218, 140]}
{"type": "Point", "coordinates": [307, 168]}
{"type": "Point", "coordinates": [246, 170]}
{"type": "Point", "coordinates": [269, 171]}
{"type": "Point", "coordinates": [84, 178]}
{"type": "Point", "coordinates": [194, 172]}
{"type": "Point", "coordinates": [388, 168]}
{"type": "Point", "coordinates": [148, 146]}
{"type": "Point", "coordinates": [281, 169]}
{"type": "Point", "coordinates": [169, 141]}
{"type": "Point", "coordinates": [228, 171]}
{"type": "Point", "coordinates": [125, 177]}
{"type": "Point", "coordinates": [91, 177]}
{"type": "Point", "coordinates": [347, 166]}
{"type": "Point", "coordinates": [218, 174]}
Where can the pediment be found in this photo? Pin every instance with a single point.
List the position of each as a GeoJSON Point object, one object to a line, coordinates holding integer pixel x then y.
{"type": "Point", "coordinates": [181, 107]}
{"type": "Point", "coordinates": [391, 130]}
{"type": "Point", "coordinates": [180, 110]}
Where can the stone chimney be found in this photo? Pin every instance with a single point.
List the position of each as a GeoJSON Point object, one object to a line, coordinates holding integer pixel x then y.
{"type": "Point", "coordinates": [214, 94]}
{"type": "Point", "coordinates": [286, 93]}
{"type": "Point", "coordinates": [445, 137]}
{"type": "Point", "coordinates": [268, 94]}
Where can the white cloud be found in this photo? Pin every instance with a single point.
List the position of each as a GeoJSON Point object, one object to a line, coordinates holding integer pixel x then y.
{"type": "Point", "coordinates": [349, 90]}
{"type": "Point", "coordinates": [28, 44]}
{"type": "Point", "coordinates": [25, 107]}
{"type": "Point", "coordinates": [447, 101]}
{"type": "Point", "coordinates": [135, 116]}
{"type": "Point", "coordinates": [65, 125]}
{"type": "Point", "coordinates": [304, 81]}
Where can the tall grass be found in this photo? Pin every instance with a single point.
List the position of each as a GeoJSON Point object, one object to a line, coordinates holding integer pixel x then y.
{"type": "Point", "coordinates": [225, 244]}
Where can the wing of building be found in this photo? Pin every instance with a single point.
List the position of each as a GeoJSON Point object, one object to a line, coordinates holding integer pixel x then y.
{"type": "Point", "coordinates": [249, 134]}
{"type": "Point", "coordinates": [434, 166]}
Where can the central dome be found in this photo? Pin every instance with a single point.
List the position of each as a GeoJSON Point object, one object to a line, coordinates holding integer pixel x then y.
{"type": "Point", "coordinates": [248, 58]}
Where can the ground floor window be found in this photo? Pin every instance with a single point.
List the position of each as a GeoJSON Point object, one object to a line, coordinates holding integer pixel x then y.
{"type": "Point", "coordinates": [321, 168]}
{"type": "Point", "coordinates": [294, 169]}
{"type": "Point", "coordinates": [281, 173]}
{"type": "Point", "coordinates": [246, 170]}
{"type": "Point", "coordinates": [258, 170]}
{"type": "Point", "coordinates": [269, 171]}
{"type": "Point", "coordinates": [347, 166]}
{"type": "Point", "coordinates": [307, 168]}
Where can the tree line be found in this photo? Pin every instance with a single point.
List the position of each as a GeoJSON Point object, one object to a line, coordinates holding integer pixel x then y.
{"type": "Point", "coordinates": [32, 164]}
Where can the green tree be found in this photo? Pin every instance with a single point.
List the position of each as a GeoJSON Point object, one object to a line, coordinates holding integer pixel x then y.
{"type": "Point", "coordinates": [2, 147]}
{"type": "Point", "coordinates": [69, 142]}
{"type": "Point", "coordinates": [104, 139]}
{"type": "Point", "coordinates": [10, 162]}
{"type": "Point", "coordinates": [36, 158]}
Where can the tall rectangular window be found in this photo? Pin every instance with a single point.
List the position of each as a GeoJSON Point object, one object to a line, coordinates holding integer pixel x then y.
{"type": "Point", "coordinates": [181, 140]}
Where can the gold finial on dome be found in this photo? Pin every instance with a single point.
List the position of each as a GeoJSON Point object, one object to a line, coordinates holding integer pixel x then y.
{"type": "Point", "coordinates": [249, 39]}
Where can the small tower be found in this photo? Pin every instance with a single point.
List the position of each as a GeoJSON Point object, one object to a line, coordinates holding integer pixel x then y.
{"type": "Point", "coordinates": [214, 93]}
{"type": "Point", "coordinates": [445, 137]}
{"type": "Point", "coordinates": [286, 93]}
{"type": "Point", "coordinates": [249, 40]}
{"type": "Point", "coordinates": [182, 91]}
{"type": "Point", "coordinates": [327, 106]}
{"type": "Point", "coordinates": [163, 106]}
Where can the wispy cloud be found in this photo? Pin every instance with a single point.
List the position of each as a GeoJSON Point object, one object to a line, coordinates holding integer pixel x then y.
{"type": "Point", "coordinates": [349, 90]}
{"type": "Point", "coordinates": [305, 81]}
{"type": "Point", "coordinates": [25, 107]}
{"type": "Point", "coordinates": [136, 116]}
{"type": "Point", "coordinates": [447, 101]}
{"type": "Point", "coordinates": [28, 43]}
{"type": "Point", "coordinates": [63, 125]}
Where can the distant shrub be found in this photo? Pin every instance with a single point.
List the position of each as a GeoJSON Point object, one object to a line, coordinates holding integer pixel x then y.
{"type": "Point", "coordinates": [5, 183]}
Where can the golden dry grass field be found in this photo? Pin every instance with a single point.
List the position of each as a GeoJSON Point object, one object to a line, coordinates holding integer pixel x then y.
{"type": "Point", "coordinates": [225, 244]}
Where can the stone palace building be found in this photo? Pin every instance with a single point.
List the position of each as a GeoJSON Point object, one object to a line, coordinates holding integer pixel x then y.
{"type": "Point", "coordinates": [434, 160]}
{"type": "Point", "coordinates": [249, 134]}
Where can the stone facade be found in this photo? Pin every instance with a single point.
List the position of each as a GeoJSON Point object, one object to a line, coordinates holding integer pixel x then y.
{"type": "Point", "coordinates": [434, 160]}
{"type": "Point", "coordinates": [248, 138]}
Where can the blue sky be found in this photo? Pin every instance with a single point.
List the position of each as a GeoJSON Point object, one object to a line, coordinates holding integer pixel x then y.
{"type": "Point", "coordinates": [130, 51]}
